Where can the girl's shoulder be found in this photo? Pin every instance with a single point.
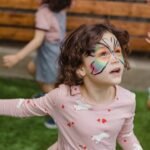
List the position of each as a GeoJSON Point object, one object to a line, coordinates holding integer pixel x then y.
{"type": "Point", "coordinates": [62, 90]}
{"type": "Point", "coordinates": [44, 9]}
{"type": "Point", "coordinates": [125, 94]}
{"type": "Point", "coordinates": [43, 6]}
{"type": "Point", "coordinates": [126, 101]}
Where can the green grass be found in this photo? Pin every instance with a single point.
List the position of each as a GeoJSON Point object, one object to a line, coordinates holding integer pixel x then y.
{"type": "Point", "coordinates": [30, 133]}
{"type": "Point", "coordinates": [142, 121]}
{"type": "Point", "coordinates": [23, 134]}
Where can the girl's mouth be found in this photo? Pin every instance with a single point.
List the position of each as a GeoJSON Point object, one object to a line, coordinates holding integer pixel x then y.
{"type": "Point", "coordinates": [115, 71]}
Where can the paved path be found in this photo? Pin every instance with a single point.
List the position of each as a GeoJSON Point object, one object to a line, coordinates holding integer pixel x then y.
{"type": "Point", "coordinates": [137, 78]}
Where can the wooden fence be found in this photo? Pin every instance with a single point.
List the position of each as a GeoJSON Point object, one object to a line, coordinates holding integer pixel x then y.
{"type": "Point", "coordinates": [17, 18]}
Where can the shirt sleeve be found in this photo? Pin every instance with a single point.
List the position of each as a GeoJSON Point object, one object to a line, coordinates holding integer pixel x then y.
{"type": "Point", "coordinates": [126, 138]}
{"type": "Point", "coordinates": [28, 107]}
{"type": "Point", "coordinates": [42, 19]}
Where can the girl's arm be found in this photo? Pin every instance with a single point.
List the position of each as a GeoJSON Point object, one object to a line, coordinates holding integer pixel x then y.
{"type": "Point", "coordinates": [13, 59]}
{"type": "Point", "coordinates": [28, 107]}
{"type": "Point", "coordinates": [148, 38]}
{"type": "Point", "coordinates": [126, 137]}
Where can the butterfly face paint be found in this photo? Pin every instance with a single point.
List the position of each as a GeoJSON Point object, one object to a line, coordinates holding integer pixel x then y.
{"type": "Point", "coordinates": [108, 47]}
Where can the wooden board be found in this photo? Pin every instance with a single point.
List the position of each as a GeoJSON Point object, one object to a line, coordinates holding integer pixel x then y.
{"type": "Point", "coordinates": [27, 20]}
{"type": "Point", "coordinates": [17, 34]}
{"type": "Point", "coordinates": [90, 7]}
{"type": "Point", "coordinates": [12, 18]}
{"type": "Point", "coordinates": [22, 34]}
{"type": "Point", "coordinates": [17, 18]}
{"type": "Point", "coordinates": [21, 4]}
{"type": "Point", "coordinates": [134, 28]}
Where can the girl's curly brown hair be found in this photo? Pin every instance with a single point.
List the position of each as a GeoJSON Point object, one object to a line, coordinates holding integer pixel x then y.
{"type": "Point", "coordinates": [81, 42]}
{"type": "Point", "coordinates": [57, 5]}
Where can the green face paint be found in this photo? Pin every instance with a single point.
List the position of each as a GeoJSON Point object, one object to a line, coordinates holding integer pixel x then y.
{"type": "Point", "coordinates": [98, 65]}
{"type": "Point", "coordinates": [107, 48]}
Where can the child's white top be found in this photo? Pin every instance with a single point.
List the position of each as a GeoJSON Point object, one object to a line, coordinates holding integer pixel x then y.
{"type": "Point", "coordinates": [82, 126]}
{"type": "Point", "coordinates": [48, 21]}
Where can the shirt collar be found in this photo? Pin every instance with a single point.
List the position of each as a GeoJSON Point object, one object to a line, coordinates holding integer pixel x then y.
{"type": "Point", "coordinates": [75, 90]}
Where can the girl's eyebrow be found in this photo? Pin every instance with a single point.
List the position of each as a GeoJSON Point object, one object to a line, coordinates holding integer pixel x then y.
{"type": "Point", "coordinates": [116, 43]}
{"type": "Point", "coordinates": [113, 40]}
{"type": "Point", "coordinates": [105, 44]}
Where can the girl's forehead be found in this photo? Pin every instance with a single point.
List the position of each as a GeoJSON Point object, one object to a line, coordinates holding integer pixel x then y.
{"type": "Point", "coordinates": [108, 40]}
{"type": "Point", "coordinates": [108, 37]}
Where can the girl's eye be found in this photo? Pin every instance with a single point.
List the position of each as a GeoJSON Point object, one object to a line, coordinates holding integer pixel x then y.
{"type": "Point", "coordinates": [117, 51]}
{"type": "Point", "coordinates": [103, 54]}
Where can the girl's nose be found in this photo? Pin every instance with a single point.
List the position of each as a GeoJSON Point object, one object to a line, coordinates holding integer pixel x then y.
{"type": "Point", "coordinates": [113, 58]}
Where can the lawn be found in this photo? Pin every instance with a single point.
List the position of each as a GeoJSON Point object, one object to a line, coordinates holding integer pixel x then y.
{"type": "Point", "coordinates": [30, 134]}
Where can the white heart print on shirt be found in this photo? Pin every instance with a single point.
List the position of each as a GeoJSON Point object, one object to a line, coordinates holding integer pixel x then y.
{"type": "Point", "coordinates": [99, 137]}
{"type": "Point", "coordinates": [82, 106]}
{"type": "Point", "coordinates": [137, 147]}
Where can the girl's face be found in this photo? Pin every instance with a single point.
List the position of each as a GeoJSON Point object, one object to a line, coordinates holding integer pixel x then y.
{"type": "Point", "coordinates": [106, 64]}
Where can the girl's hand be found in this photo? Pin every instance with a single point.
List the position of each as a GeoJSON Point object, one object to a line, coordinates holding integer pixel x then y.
{"type": "Point", "coordinates": [148, 38]}
{"type": "Point", "coordinates": [10, 60]}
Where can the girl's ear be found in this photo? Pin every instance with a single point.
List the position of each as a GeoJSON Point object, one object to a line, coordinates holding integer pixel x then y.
{"type": "Point", "coordinates": [81, 72]}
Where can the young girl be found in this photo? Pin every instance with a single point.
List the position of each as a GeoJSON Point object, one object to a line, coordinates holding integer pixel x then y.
{"type": "Point", "coordinates": [50, 25]}
{"type": "Point", "coordinates": [91, 110]}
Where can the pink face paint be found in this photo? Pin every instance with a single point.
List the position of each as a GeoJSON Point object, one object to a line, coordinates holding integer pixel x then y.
{"type": "Point", "coordinates": [97, 67]}
{"type": "Point", "coordinates": [114, 48]}
{"type": "Point", "coordinates": [118, 55]}
{"type": "Point", "coordinates": [100, 62]}
{"type": "Point", "coordinates": [108, 47]}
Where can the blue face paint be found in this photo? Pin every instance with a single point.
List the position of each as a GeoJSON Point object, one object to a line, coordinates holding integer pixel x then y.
{"type": "Point", "coordinates": [104, 50]}
{"type": "Point", "coordinates": [97, 67]}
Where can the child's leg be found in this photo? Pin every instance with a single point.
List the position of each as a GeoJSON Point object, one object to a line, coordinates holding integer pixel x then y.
{"type": "Point", "coordinates": [46, 87]}
{"type": "Point", "coordinates": [53, 147]}
{"type": "Point", "coordinates": [49, 123]}
{"type": "Point", "coordinates": [31, 68]}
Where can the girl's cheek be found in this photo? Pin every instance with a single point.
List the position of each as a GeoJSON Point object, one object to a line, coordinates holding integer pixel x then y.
{"type": "Point", "coordinates": [97, 67]}
{"type": "Point", "coordinates": [103, 60]}
{"type": "Point", "coordinates": [121, 58]}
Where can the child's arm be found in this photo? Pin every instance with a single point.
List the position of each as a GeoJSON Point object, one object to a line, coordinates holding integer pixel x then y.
{"type": "Point", "coordinates": [148, 38]}
{"type": "Point", "coordinates": [28, 107]}
{"type": "Point", "coordinates": [126, 137]}
{"type": "Point", "coordinates": [13, 59]}
{"type": "Point", "coordinates": [53, 147]}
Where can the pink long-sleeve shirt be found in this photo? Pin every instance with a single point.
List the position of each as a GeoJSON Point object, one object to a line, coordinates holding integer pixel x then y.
{"type": "Point", "coordinates": [82, 126]}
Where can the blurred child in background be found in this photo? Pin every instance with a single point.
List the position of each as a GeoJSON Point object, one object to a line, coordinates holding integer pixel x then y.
{"type": "Point", "coordinates": [50, 28]}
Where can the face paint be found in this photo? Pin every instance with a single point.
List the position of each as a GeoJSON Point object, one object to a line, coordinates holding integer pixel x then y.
{"type": "Point", "coordinates": [107, 48]}
{"type": "Point", "coordinates": [97, 67]}
{"type": "Point", "coordinates": [114, 48]}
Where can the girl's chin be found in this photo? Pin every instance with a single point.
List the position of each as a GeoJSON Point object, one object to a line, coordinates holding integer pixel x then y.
{"type": "Point", "coordinates": [114, 81]}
